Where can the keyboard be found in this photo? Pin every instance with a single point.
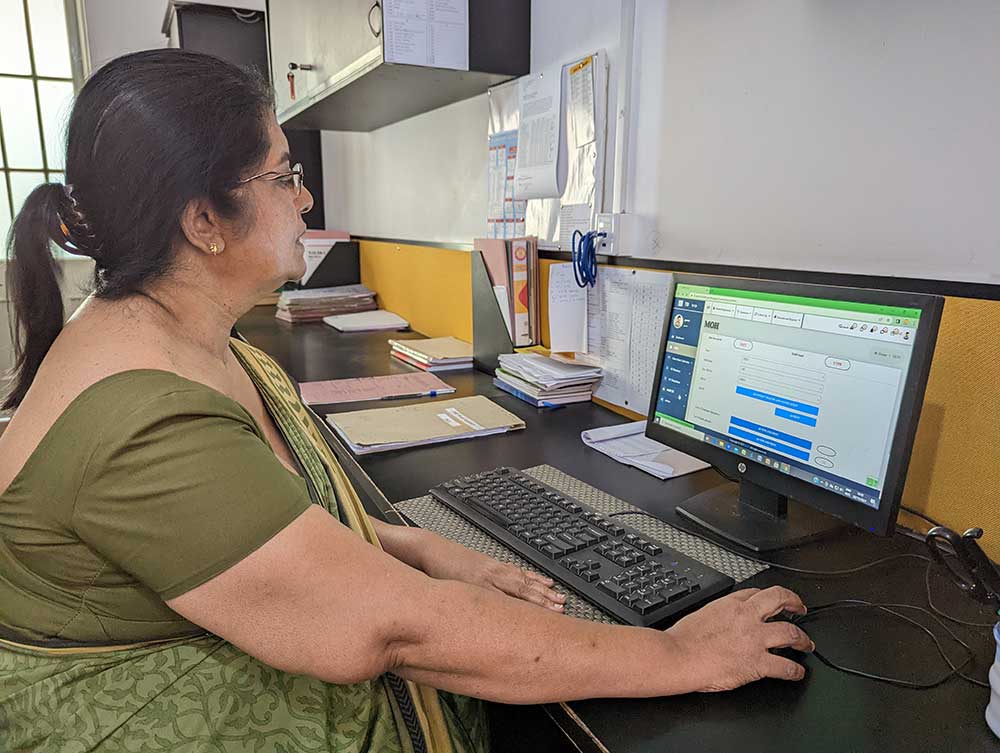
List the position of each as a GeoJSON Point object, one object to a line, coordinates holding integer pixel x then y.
{"type": "Point", "coordinates": [603, 561]}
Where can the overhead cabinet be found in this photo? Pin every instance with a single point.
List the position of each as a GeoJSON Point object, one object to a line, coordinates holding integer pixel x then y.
{"type": "Point", "coordinates": [357, 65]}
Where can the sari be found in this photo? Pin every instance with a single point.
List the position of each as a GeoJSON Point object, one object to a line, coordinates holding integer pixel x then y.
{"type": "Point", "coordinates": [203, 694]}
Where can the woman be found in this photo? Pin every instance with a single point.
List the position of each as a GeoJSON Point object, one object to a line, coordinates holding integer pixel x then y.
{"type": "Point", "coordinates": [183, 565]}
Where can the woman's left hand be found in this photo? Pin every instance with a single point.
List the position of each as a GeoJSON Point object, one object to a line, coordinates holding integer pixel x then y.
{"type": "Point", "coordinates": [456, 562]}
{"type": "Point", "coordinates": [447, 560]}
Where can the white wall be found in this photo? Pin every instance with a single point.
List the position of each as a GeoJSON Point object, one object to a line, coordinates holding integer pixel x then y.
{"type": "Point", "coordinates": [118, 27]}
{"type": "Point", "coordinates": [836, 136]}
{"type": "Point", "coordinates": [421, 179]}
{"type": "Point", "coordinates": [425, 178]}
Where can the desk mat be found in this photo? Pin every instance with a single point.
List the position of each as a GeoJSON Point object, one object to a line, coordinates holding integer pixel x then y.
{"type": "Point", "coordinates": [428, 513]}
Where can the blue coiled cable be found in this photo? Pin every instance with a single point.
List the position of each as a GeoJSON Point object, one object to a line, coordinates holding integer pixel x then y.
{"type": "Point", "coordinates": [585, 257]}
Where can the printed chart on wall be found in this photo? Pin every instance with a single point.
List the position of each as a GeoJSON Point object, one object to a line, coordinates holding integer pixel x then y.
{"type": "Point", "coordinates": [625, 312]}
{"type": "Point", "coordinates": [505, 213]}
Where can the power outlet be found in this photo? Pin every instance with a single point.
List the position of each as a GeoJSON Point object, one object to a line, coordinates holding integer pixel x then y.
{"type": "Point", "coordinates": [626, 234]}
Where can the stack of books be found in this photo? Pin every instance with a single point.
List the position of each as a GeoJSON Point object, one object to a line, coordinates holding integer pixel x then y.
{"type": "Point", "coordinates": [544, 382]}
{"type": "Point", "coordinates": [434, 354]}
{"type": "Point", "coordinates": [297, 306]}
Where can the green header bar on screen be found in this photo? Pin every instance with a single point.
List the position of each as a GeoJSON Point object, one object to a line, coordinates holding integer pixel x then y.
{"type": "Point", "coordinates": [700, 291]}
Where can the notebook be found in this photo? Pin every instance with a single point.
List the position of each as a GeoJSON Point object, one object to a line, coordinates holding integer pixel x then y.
{"type": "Point", "coordinates": [366, 321]}
{"type": "Point", "coordinates": [384, 429]}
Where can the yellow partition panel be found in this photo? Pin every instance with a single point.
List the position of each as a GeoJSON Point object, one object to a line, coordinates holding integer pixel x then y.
{"type": "Point", "coordinates": [429, 287]}
{"type": "Point", "coordinates": [954, 471]}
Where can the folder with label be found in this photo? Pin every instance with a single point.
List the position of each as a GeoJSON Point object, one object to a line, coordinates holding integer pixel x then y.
{"type": "Point", "coordinates": [384, 429]}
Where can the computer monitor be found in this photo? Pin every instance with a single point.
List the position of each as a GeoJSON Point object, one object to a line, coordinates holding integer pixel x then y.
{"type": "Point", "coordinates": [805, 393]}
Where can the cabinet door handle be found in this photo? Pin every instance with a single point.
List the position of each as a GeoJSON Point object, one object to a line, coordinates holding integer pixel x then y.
{"type": "Point", "coordinates": [300, 67]}
{"type": "Point", "coordinates": [375, 32]}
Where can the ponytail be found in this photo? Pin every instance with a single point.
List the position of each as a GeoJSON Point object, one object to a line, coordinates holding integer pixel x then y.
{"type": "Point", "coordinates": [149, 133]}
{"type": "Point", "coordinates": [33, 280]}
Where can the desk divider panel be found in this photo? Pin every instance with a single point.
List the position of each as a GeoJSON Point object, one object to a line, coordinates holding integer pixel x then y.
{"type": "Point", "coordinates": [427, 286]}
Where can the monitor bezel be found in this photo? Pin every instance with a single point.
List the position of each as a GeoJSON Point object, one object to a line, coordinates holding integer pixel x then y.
{"type": "Point", "coordinates": [879, 521]}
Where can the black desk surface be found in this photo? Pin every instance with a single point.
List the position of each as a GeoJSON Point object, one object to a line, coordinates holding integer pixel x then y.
{"type": "Point", "coordinates": [828, 711]}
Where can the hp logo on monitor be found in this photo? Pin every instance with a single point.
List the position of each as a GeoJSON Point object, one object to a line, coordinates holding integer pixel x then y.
{"type": "Point", "coordinates": [742, 467]}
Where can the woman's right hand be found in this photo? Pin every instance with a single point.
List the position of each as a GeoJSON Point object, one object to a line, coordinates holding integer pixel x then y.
{"type": "Point", "coordinates": [725, 643]}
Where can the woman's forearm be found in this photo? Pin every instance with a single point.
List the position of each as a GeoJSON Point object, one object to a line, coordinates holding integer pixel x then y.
{"type": "Point", "coordinates": [406, 543]}
{"type": "Point", "coordinates": [481, 643]}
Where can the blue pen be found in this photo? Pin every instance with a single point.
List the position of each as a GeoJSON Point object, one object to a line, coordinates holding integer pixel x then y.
{"type": "Point", "coordinates": [551, 406]}
{"type": "Point", "coordinates": [432, 393]}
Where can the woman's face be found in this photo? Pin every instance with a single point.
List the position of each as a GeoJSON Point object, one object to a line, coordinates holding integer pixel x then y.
{"type": "Point", "coordinates": [270, 250]}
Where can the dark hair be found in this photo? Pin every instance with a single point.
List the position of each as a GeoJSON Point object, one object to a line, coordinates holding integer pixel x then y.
{"type": "Point", "coordinates": [149, 133]}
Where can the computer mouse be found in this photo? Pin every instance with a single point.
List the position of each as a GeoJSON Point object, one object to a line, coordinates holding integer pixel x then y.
{"type": "Point", "coordinates": [785, 616]}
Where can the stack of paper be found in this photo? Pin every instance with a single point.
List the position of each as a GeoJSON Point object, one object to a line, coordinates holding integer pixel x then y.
{"type": "Point", "coordinates": [545, 382]}
{"type": "Point", "coordinates": [434, 354]}
{"type": "Point", "coordinates": [384, 429]}
{"type": "Point", "coordinates": [628, 444]}
{"type": "Point", "coordinates": [313, 305]}
{"type": "Point", "coordinates": [366, 321]}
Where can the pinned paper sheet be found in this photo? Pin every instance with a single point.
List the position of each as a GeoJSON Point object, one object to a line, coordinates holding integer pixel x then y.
{"type": "Point", "coordinates": [505, 213]}
{"type": "Point", "coordinates": [573, 217]}
{"type": "Point", "coordinates": [567, 311]}
{"type": "Point", "coordinates": [541, 151]}
{"type": "Point", "coordinates": [625, 312]}
{"type": "Point", "coordinates": [581, 101]}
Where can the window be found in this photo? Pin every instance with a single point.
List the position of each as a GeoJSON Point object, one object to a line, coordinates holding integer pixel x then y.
{"type": "Point", "coordinates": [41, 65]}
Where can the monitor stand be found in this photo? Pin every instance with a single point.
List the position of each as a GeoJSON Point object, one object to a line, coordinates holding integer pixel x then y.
{"type": "Point", "coordinates": [756, 517]}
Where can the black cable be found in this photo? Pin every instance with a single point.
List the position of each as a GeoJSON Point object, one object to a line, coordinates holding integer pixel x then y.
{"type": "Point", "coordinates": [955, 670]}
{"type": "Point", "coordinates": [919, 514]}
{"type": "Point", "coordinates": [777, 566]}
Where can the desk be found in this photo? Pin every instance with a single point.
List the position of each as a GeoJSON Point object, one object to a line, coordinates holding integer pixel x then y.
{"type": "Point", "coordinates": [828, 711]}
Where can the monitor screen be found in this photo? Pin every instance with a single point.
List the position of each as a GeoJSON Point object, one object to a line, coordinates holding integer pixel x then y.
{"type": "Point", "coordinates": [810, 387]}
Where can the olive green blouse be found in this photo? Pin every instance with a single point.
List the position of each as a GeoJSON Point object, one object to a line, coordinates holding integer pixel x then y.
{"type": "Point", "coordinates": [147, 486]}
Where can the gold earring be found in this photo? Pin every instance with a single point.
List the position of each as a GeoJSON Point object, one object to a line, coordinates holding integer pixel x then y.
{"type": "Point", "coordinates": [213, 249]}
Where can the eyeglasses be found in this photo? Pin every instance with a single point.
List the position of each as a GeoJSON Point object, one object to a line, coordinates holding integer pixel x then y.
{"type": "Point", "coordinates": [293, 177]}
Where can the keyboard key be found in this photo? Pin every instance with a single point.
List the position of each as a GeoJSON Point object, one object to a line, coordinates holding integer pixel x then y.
{"type": "Point", "coordinates": [590, 575]}
{"type": "Point", "coordinates": [656, 601]}
{"type": "Point", "coordinates": [612, 588]}
{"type": "Point", "coordinates": [674, 593]}
{"type": "Point", "coordinates": [650, 548]}
{"type": "Point", "coordinates": [642, 606]}
{"type": "Point", "coordinates": [552, 551]}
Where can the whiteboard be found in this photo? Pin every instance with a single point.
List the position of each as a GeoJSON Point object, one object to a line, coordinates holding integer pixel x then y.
{"type": "Point", "coordinates": [854, 137]}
